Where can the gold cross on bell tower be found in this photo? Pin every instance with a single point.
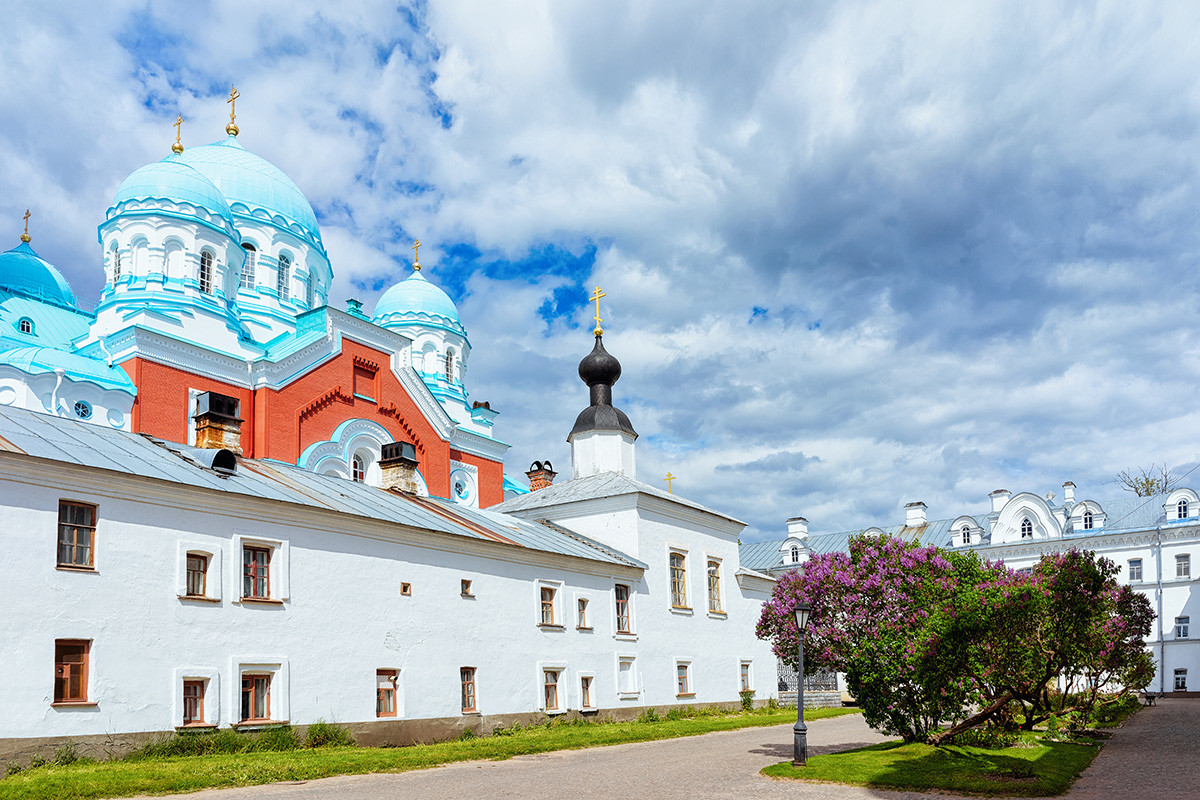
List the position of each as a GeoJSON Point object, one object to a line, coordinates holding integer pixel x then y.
{"type": "Point", "coordinates": [177, 148]}
{"type": "Point", "coordinates": [25, 236]}
{"type": "Point", "coordinates": [668, 479]}
{"type": "Point", "coordinates": [232, 128]}
{"type": "Point", "coordinates": [596, 295]}
{"type": "Point", "coordinates": [416, 255]}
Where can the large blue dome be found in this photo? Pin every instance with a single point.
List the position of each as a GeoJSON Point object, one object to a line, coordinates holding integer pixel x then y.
{"type": "Point", "coordinates": [251, 184]}
{"type": "Point", "coordinates": [23, 272]}
{"type": "Point", "coordinates": [415, 299]}
{"type": "Point", "coordinates": [170, 179]}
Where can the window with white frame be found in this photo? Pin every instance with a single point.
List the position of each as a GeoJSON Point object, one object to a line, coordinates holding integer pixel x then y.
{"type": "Point", "coordinates": [256, 572]}
{"type": "Point", "coordinates": [585, 691]}
{"type": "Point", "coordinates": [1181, 680]}
{"type": "Point", "coordinates": [206, 272]}
{"type": "Point", "coordinates": [76, 534]}
{"type": "Point", "coordinates": [1181, 627]}
{"type": "Point", "coordinates": [550, 689]}
{"type": "Point", "coordinates": [256, 697]}
{"type": "Point", "coordinates": [1182, 509]}
{"type": "Point", "coordinates": [1183, 566]}
{"type": "Point", "coordinates": [449, 366]}
{"type": "Point", "coordinates": [1026, 529]}
{"type": "Point", "coordinates": [386, 681]}
{"type": "Point", "coordinates": [624, 614]}
{"type": "Point", "coordinates": [677, 565]}
{"type": "Point", "coordinates": [581, 611]}
{"type": "Point", "coordinates": [795, 554]}
{"type": "Point", "coordinates": [683, 679]}
{"type": "Point", "coordinates": [246, 278]}
{"type": "Point", "coordinates": [714, 587]}
{"type": "Point", "coordinates": [466, 677]}
{"type": "Point", "coordinates": [25, 325]}
{"type": "Point", "coordinates": [547, 604]}
{"type": "Point", "coordinates": [193, 703]}
{"type": "Point", "coordinates": [259, 570]}
{"type": "Point", "coordinates": [966, 534]}
{"type": "Point", "coordinates": [745, 683]}
{"type": "Point", "coordinates": [283, 278]}
{"type": "Point", "coordinates": [358, 469]}
{"type": "Point", "coordinates": [1089, 520]}
{"type": "Point", "coordinates": [197, 575]}
{"type": "Point", "coordinates": [1135, 570]}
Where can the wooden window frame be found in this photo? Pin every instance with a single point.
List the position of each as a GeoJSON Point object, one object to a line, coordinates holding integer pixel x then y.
{"type": "Point", "coordinates": [251, 678]}
{"type": "Point", "coordinates": [193, 703]}
{"type": "Point", "coordinates": [465, 586]}
{"type": "Point", "coordinates": [581, 605]}
{"type": "Point", "coordinates": [469, 696]}
{"type": "Point", "coordinates": [683, 679]}
{"type": "Point", "coordinates": [253, 575]}
{"type": "Point", "coordinates": [74, 530]}
{"type": "Point", "coordinates": [744, 679]}
{"type": "Point", "coordinates": [63, 670]}
{"type": "Point", "coordinates": [550, 689]}
{"type": "Point", "coordinates": [585, 691]}
{"type": "Point", "coordinates": [547, 595]}
{"type": "Point", "coordinates": [383, 692]}
{"type": "Point", "coordinates": [358, 469]}
{"type": "Point", "coordinates": [678, 577]}
{"type": "Point", "coordinates": [623, 605]}
{"type": "Point", "coordinates": [712, 574]}
{"type": "Point", "coordinates": [203, 573]}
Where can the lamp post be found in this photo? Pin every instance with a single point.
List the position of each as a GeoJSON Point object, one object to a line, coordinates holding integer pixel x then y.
{"type": "Point", "coordinates": [800, 730]}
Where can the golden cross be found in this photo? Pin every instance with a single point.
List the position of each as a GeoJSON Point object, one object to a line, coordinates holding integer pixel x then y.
{"type": "Point", "coordinates": [668, 479]}
{"type": "Point", "coordinates": [596, 296]}
{"type": "Point", "coordinates": [178, 146]}
{"type": "Point", "coordinates": [416, 255]}
{"type": "Point", "coordinates": [232, 128]}
{"type": "Point", "coordinates": [25, 235]}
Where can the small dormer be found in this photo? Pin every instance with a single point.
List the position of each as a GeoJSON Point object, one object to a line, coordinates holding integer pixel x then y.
{"type": "Point", "coordinates": [1025, 517]}
{"type": "Point", "coordinates": [794, 551]}
{"type": "Point", "coordinates": [1087, 515]}
{"type": "Point", "coordinates": [1182, 504]}
{"type": "Point", "coordinates": [873, 531]}
{"type": "Point", "coordinates": [965, 532]}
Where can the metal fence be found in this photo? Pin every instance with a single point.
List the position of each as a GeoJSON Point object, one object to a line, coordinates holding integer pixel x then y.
{"type": "Point", "coordinates": [820, 682]}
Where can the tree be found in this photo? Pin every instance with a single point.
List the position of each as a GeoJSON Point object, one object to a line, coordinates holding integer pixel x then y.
{"type": "Point", "coordinates": [1147, 482]}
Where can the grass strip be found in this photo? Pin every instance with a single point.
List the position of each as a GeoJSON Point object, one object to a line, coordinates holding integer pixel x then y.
{"type": "Point", "coordinates": [1045, 769]}
{"type": "Point", "coordinates": [191, 773]}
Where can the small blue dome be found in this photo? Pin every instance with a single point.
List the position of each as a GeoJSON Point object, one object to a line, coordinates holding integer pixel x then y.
{"type": "Point", "coordinates": [170, 179]}
{"type": "Point", "coordinates": [415, 299]}
{"type": "Point", "coordinates": [255, 183]}
{"type": "Point", "coordinates": [23, 272]}
{"type": "Point", "coordinates": [39, 360]}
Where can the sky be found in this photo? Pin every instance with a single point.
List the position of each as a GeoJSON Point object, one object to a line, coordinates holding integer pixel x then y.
{"type": "Point", "coordinates": [856, 254]}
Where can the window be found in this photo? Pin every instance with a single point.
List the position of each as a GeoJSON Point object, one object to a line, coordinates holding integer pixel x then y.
{"type": "Point", "coordinates": [83, 409]}
{"type": "Point", "coordinates": [76, 534]}
{"type": "Point", "coordinates": [311, 290]}
{"type": "Point", "coordinates": [283, 279]}
{"type": "Point", "coordinates": [467, 677]}
{"type": "Point", "coordinates": [682, 685]}
{"type": "Point", "coordinates": [385, 692]}
{"type": "Point", "coordinates": [795, 554]}
{"type": "Point", "coordinates": [1182, 508]}
{"type": "Point", "coordinates": [358, 469]}
{"type": "Point", "coordinates": [745, 682]}
{"type": "Point", "coordinates": [246, 278]}
{"type": "Point", "coordinates": [1183, 566]}
{"type": "Point", "coordinates": [582, 623]}
{"type": "Point", "coordinates": [197, 574]}
{"type": "Point", "coordinates": [1181, 627]}
{"type": "Point", "coordinates": [623, 620]}
{"type": "Point", "coordinates": [256, 573]}
{"type": "Point", "coordinates": [256, 698]}
{"type": "Point", "coordinates": [206, 272]}
{"type": "Point", "coordinates": [466, 588]}
{"type": "Point", "coordinates": [714, 586]}
{"type": "Point", "coordinates": [1026, 529]}
{"type": "Point", "coordinates": [966, 534]}
{"type": "Point", "coordinates": [1135, 570]}
{"type": "Point", "coordinates": [1181, 680]}
{"type": "Point", "coordinates": [547, 605]}
{"type": "Point", "coordinates": [1089, 520]}
{"type": "Point", "coordinates": [678, 581]}
{"type": "Point", "coordinates": [193, 702]}
{"type": "Point", "coordinates": [626, 675]}
{"type": "Point", "coordinates": [449, 366]}
{"type": "Point", "coordinates": [364, 382]}
{"type": "Point", "coordinates": [406, 589]}
{"type": "Point", "coordinates": [550, 686]}
{"type": "Point", "coordinates": [25, 325]}
{"type": "Point", "coordinates": [585, 691]}
{"type": "Point", "coordinates": [70, 670]}
{"type": "Point", "coordinates": [1025, 571]}
{"type": "Point", "coordinates": [116, 259]}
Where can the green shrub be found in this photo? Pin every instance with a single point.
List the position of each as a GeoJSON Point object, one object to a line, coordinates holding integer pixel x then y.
{"type": "Point", "coordinates": [747, 697]}
{"type": "Point", "coordinates": [13, 768]}
{"type": "Point", "coordinates": [278, 739]}
{"type": "Point", "coordinates": [467, 735]}
{"type": "Point", "coordinates": [37, 761]}
{"type": "Point", "coordinates": [989, 738]}
{"type": "Point", "coordinates": [772, 704]}
{"type": "Point", "coordinates": [328, 734]}
{"type": "Point", "coordinates": [648, 715]}
{"type": "Point", "coordinates": [509, 731]}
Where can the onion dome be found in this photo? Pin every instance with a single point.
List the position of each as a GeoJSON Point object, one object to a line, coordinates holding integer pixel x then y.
{"type": "Point", "coordinates": [254, 187]}
{"type": "Point", "coordinates": [600, 370]}
{"type": "Point", "coordinates": [23, 272]}
{"type": "Point", "coordinates": [416, 300]}
{"type": "Point", "coordinates": [172, 180]}
{"type": "Point", "coordinates": [39, 360]}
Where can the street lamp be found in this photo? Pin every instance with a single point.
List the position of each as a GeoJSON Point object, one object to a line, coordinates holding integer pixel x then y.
{"type": "Point", "coordinates": [800, 730]}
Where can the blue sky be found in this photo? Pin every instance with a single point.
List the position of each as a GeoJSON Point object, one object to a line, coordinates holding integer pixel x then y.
{"type": "Point", "coordinates": [856, 254]}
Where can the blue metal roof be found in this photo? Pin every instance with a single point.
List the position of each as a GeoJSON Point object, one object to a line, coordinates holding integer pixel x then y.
{"type": "Point", "coordinates": [24, 272]}
{"type": "Point", "coordinates": [53, 325]}
{"type": "Point", "coordinates": [40, 360]}
{"type": "Point", "coordinates": [415, 300]}
{"type": "Point", "coordinates": [72, 442]}
{"type": "Point", "coordinates": [171, 179]}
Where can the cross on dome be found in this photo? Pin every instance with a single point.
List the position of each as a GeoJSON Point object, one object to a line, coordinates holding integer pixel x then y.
{"type": "Point", "coordinates": [25, 236]}
{"type": "Point", "coordinates": [234, 94]}
{"type": "Point", "coordinates": [177, 148]}
{"type": "Point", "coordinates": [596, 295]}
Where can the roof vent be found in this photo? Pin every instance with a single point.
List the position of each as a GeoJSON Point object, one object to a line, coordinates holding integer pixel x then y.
{"type": "Point", "coordinates": [541, 475]}
{"type": "Point", "coordinates": [217, 422]}
{"type": "Point", "coordinates": [224, 462]}
{"type": "Point", "coordinates": [399, 465]}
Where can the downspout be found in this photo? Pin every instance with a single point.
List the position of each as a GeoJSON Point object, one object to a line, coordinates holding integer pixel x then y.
{"type": "Point", "coordinates": [1162, 647]}
{"type": "Point", "coordinates": [60, 372]}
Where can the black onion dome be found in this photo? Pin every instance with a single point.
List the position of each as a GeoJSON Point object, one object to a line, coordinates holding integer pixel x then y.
{"type": "Point", "coordinates": [600, 370]}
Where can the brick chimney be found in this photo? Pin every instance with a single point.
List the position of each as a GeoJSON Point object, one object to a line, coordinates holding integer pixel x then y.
{"type": "Point", "coordinates": [398, 462]}
{"type": "Point", "coordinates": [541, 475]}
{"type": "Point", "coordinates": [218, 426]}
{"type": "Point", "coordinates": [914, 514]}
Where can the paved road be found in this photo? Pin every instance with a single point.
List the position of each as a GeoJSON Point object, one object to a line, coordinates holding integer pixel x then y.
{"type": "Point", "coordinates": [1135, 763]}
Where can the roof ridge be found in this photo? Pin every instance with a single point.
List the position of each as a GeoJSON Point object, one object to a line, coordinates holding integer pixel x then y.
{"type": "Point", "coordinates": [603, 548]}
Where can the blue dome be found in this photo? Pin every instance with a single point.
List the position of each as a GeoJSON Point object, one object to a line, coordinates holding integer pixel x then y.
{"type": "Point", "coordinates": [23, 272]}
{"type": "Point", "coordinates": [252, 182]}
{"type": "Point", "coordinates": [170, 179]}
{"type": "Point", "coordinates": [415, 299]}
{"type": "Point", "coordinates": [38, 360]}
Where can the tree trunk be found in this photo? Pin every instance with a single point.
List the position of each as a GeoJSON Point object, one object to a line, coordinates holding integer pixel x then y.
{"type": "Point", "coordinates": [970, 722]}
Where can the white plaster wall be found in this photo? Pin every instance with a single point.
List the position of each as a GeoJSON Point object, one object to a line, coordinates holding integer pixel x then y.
{"type": "Point", "coordinates": [594, 452]}
{"type": "Point", "coordinates": [110, 408]}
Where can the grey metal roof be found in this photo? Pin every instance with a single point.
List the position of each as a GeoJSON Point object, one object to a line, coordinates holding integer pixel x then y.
{"type": "Point", "coordinates": [606, 484]}
{"type": "Point", "coordinates": [90, 445]}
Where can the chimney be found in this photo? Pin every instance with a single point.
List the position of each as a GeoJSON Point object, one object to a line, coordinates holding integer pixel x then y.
{"type": "Point", "coordinates": [914, 514]}
{"type": "Point", "coordinates": [218, 426]}
{"type": "Point", "coordinates": [797, 527]}
{"type": "Point", "coordinates": [1068, 492]}
{"type": "Point", "coordinates": [999, 498]}
{"type": "Point", "coordinates": [398, 462]}
{"type": "Point", "coordinates": [541, 475]}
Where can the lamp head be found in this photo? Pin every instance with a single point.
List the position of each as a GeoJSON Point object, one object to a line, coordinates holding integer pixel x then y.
{"type": "Point", "coordinates": [802, 612]}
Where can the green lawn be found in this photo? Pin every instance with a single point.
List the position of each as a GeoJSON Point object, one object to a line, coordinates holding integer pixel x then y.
{"type": "Point", "coordinates": [1046, 769]}
{"type": "Point", "coordinates": [186, 774]}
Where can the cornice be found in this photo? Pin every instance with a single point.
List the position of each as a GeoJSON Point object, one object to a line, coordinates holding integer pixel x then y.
{"type": "Point", "coordinates": [1098, 541]}
{"type": "Point", "coordinates": [479, 445]}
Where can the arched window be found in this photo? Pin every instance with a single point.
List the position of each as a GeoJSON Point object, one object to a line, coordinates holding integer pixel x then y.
{"type": "Point", "coordinates": [312, 290]}
{"type": "Point", "coordinates": [284, 279]}
{"type": "Point", "coordinates": [795, 554]}
{"type": "Point", "coordinates": [1182, 508]}
{"type": "Point", "coordinates": [25, 325]}
{"type": "Point", "coordinates": [1026, 529]}
{"type": "Point", "coordinates": [116, 262]}
{"type": "Point", "coordinates": [966, 534]}
{"type": "Point", "coordinates": [206, 272]}
{"type": "Point", "coordinates": [449, 366]}
{"type": "Point", "coordinates": [246, 279]}
{"type": "Point", "coordinates": [1089, 520]}
{"type": "Point", "coordinates": [358, 469]}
